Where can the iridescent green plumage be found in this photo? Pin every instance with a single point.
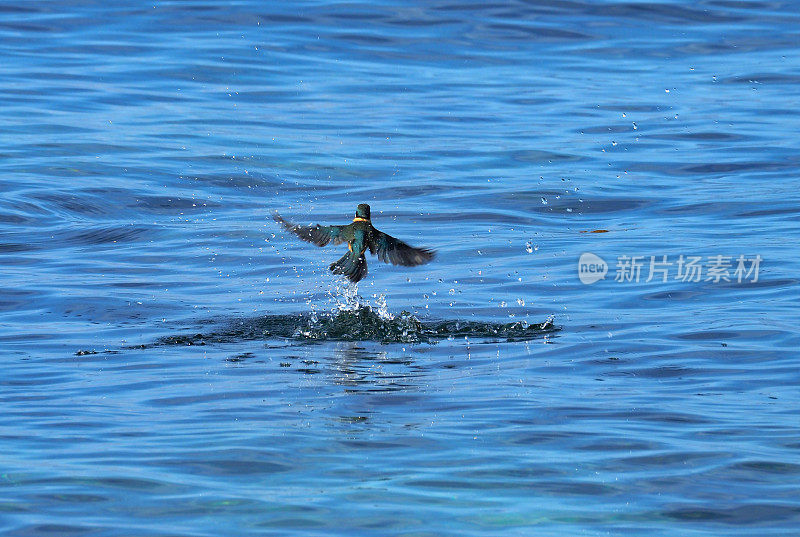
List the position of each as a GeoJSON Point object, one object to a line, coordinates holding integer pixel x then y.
{"type": "Point", "coordinates": [360, 236]}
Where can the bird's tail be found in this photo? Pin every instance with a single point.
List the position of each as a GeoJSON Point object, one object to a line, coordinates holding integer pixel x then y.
{"type": "Point", "coordinates": [354, 268]}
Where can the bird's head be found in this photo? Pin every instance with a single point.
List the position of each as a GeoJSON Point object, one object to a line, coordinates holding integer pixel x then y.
{"type": "Point", "coordinates": [362, 211]}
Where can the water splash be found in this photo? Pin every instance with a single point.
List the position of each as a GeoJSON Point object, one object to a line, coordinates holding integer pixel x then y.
{"type": "Point", "coordinates": [365, 324]}
{"type": "Point", "coordinates": [355, 319]}
{"type": "Point", "coordinates": [346, 297]}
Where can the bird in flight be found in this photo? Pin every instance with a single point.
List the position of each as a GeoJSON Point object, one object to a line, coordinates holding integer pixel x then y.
{"type": "Point", "coordinates": [360, 235]}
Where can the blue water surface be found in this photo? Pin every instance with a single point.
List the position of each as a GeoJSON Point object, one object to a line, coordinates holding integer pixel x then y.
{"type": "Point", "coordinates": [175, 364]}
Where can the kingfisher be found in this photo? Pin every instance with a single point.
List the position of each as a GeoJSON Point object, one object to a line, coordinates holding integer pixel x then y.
{"type": "Point", "coordinates": [360, 235]}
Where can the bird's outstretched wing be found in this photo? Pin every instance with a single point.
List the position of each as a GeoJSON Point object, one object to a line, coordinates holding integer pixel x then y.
{"type": "Point", "coordinates": [394, 251]}
{"type": "Point", "coordinates": [319, 235]}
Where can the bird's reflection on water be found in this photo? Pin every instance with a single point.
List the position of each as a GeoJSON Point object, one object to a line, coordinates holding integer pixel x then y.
{"type": "Point", "coordinates": [368, 361]}
{"type": "Point", "coordinates": [359, 369]}
{"type": "Point", "coordinates": [375, 385]}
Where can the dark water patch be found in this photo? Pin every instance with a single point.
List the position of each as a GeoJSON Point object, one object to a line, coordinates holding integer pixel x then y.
{"type": "Point", "coordinates": [704, 136]}
{"type": "Point", "coordinates": [361, 324]}
{"type": "Point", "coordinates": [16, 220]}
{"type": "Point", "coordinates": [228, 462]}
{"type": "Point", "coordinates": [772, 211]}
{"type": "Point", "coordinates": [229, 181]}
{"type": "Point", "coordinates": [704, 208]}
{"type": "Point", "coordinates": [768, 467]}
{"type": "Point", "coordinates": [650, 12]}
{"type": "Point", "coordinates": [674, 294]}
{"type": "Point", "coordinates": [735, 167]}
{"type": "Point", "coordinates": [762, 78]}
{"type": "Point", "coordinates": [109, 482]}
{"type": "Point", "coordinates": [706, 169]}
{"type": "Point", "coordinates": [173, 204]}
{"type": "Point", "coordinates": [725, 335]}
{"type": "Point", "coordinates": [751, 514]}
{"type": "Point", "coordinates": [665, 372]}
{"type": "Point", "coordinates": [105, 235]}
{"type": "Point", "coordinates": [49, 530]}
{"type": "Point", "coordinates": [10, 248]}
{"type": "Point", "coordinates": [657, 416]}
{"type": "Point", "coordinates": [528, 32]}
{"type": "Point", "coordinates": [240, 357]}
{"type": "Point", "coordinates": [64, 497]}
{"type": "Point", "coordinates": [608, 129]}
{"type": "Point", "coordinates": [12, 300]}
